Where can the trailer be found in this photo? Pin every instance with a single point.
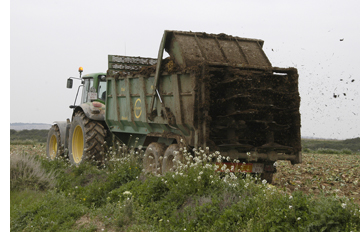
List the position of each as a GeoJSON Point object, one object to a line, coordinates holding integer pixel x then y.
{"type": "Point", "coordinates": [214, 91]}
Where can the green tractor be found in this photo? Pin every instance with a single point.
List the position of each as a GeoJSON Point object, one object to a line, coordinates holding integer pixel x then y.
{"type": "Point", "coordinates": [84, 136]}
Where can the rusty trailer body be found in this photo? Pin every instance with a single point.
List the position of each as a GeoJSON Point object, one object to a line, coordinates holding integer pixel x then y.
{"type": "Point", "coordinates": [215, 91]}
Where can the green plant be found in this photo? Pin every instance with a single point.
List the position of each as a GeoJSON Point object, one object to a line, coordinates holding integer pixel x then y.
{"type": "Point", "coordinates": [50, 212]}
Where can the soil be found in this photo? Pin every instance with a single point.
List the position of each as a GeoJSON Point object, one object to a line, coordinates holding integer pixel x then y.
{"type": "Point", "coordinates": [321, 174]}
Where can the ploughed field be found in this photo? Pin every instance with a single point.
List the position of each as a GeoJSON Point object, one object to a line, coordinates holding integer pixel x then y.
{"type": "Point", "coordinates": [321, 173]}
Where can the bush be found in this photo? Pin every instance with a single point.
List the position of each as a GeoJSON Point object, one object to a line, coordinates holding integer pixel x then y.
{"type": "Point", "coordinates": [26, 172]}
{"type": "Point", "coordinates": [346, 151]}
{"type": "Point", "coordinates": [327, 151]}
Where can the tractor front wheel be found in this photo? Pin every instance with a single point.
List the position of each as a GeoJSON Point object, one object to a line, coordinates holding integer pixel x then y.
{"type": "Point", "coordinates": [86, 139]}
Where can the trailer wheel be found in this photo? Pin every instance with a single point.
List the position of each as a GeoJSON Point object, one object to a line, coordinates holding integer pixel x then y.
{"type": "Point", "coordinates": [268, 176]}
{"type": "Point", "coordinates": [152, 157]}
{"type": "Point", "coordinates": [171, 159]}
{"type": "Point", "coordinates": [86, 139]}
{"type": "Point", "coordinates": [53, 144]}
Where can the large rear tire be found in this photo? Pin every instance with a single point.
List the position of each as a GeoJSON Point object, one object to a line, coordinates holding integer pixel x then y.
{"type": "Point", "coordinates": [86, 139]}
{"type": "Point", "coordinates": [54, 148]}
{"type": "Point", "coordinates": [152, 163]}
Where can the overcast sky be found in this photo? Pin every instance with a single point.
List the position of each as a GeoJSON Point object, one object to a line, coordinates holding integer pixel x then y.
{"type": "Point", "coordinates": [49, 40]}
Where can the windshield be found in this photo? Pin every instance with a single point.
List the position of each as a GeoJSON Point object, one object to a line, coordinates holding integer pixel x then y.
{"type": "Point", "coordinates": [102, 90]}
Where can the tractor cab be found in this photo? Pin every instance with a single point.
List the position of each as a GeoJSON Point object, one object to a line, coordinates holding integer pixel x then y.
{"type": "Point", "coordinates": [94, 87]}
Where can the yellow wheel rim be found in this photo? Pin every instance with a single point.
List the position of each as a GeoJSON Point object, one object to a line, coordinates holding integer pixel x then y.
{"type": "Point", "coordinates": [53, 147]}
{"type": "Point", "coordinates": [77, 144]}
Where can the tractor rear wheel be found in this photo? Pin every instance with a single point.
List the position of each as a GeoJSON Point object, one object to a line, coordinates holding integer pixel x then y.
{"type": "Point", "coordinates": [53, 145]}
{"type": "Point", "coordinates": [153, 152]}
{"type": "Point", "coordinates": [86, 139]}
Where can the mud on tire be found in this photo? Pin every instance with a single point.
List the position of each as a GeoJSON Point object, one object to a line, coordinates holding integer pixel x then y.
{"type": "Point", "coordinates": [54, 148]}
{"type": "Point", "coordinates": [152, 163]}
{"type": "Point", "coordinates": [171, 159]}
{"type": "Point", "coordinates": [86, 139]}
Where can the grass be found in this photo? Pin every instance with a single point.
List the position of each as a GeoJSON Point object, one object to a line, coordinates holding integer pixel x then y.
{"type": "Point", "coordinates": [119, 196]}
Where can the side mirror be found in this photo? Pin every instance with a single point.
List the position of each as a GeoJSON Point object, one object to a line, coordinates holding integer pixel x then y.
{"type": "Point", "coordinates": [69, 83]}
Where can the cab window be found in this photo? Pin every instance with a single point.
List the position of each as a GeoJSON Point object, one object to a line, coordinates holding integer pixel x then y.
{"type": "Point", "coordinates": [102, 90]}
{"type": "Point", "coordinates": [87, 84]}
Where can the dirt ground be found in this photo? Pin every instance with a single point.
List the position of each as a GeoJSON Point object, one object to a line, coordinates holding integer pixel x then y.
{"type": "Point", "coordinates": [321, 173]}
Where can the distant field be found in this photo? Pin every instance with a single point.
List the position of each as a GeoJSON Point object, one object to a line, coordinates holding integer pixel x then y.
{"type": "Point", "coordinates": [28, 136]}
{"type": "Point", "coordinates": [316, 144]}
{"type": "Point", "coordinates": [29, 126]}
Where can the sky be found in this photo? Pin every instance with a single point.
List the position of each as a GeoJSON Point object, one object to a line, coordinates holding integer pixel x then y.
{"type": "Point", "coordinates": [49, 40]}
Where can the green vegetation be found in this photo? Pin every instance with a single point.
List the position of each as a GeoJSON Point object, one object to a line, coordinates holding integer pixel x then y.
{"type": "Point", "coordinates": [347, 146]}
{"type": "Point", "coordinates": [119, 196]}
{"type": "Point", "coordinates": [28, 137]}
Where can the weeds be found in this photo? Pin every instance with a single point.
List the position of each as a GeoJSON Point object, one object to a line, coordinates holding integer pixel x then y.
{"type": "Point", "coordinates": [26, 172]}
{"type": "Point", "coordinates": [118, 196]}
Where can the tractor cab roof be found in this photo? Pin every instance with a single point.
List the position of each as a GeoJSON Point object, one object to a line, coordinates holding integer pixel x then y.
{"type": "Point", "coordinates": [93, 75]}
